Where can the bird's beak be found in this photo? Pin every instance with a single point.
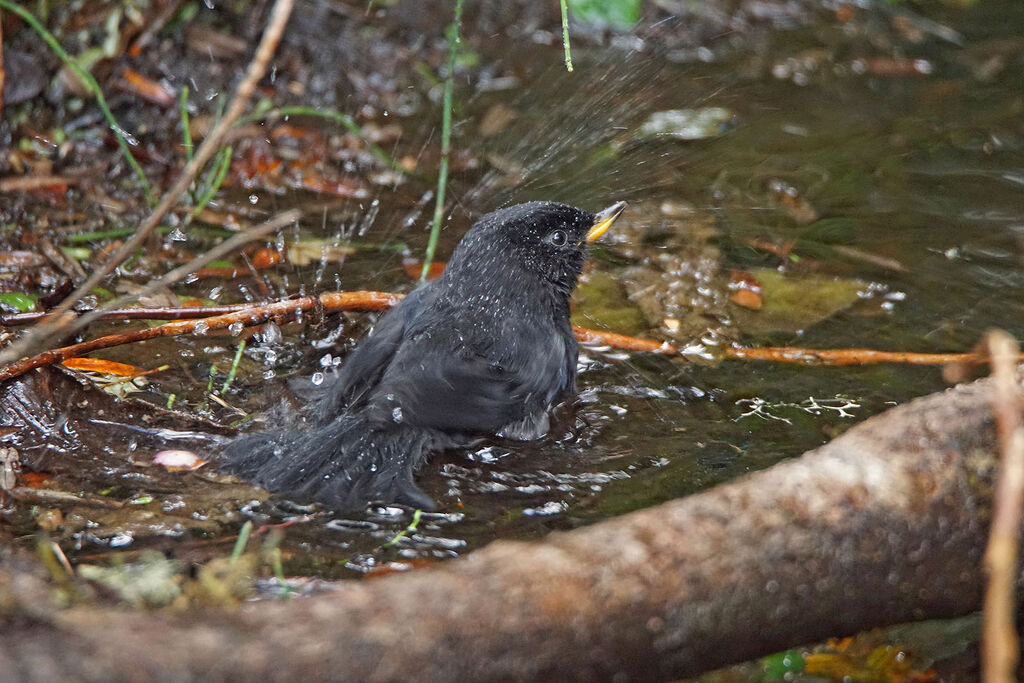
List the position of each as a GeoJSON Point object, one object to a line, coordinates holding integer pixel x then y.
{"type": "Point", "coordinates": [603, 220]}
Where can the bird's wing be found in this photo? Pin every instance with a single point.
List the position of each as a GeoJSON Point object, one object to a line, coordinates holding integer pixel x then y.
{"type": "Point", "coordinates": [502, 385]}
{"type": "Point", "coordinates": [365, 366]}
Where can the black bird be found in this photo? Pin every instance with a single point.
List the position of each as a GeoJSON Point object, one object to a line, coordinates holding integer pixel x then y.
{"type": "Point", "coordinates": [486, 349]}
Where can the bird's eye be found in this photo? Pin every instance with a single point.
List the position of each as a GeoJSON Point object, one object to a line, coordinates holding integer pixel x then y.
{"type": "Point", "coordinates": [558, 238]}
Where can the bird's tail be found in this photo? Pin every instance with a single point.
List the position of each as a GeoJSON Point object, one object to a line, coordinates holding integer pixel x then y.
{"type": "Point", "coordinates": [344, 463]}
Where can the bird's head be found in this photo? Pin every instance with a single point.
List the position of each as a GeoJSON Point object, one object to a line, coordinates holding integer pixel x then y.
{"type": "Point", "coordinates": [543, 239]}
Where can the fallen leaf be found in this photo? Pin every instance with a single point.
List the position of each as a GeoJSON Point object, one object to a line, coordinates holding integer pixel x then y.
{"type": "Point", "coordinates": [316, 250]}
{"type": "Point", "coordinates": [106, 367]}
{"type": "Point", "coordinates": [19, 301]}
{"type": "Point", "coordinates": [146, 88]}
{"type": "Point", "coordinates": [747, 299]}
{"type": "Point", "coordinates": [35, 480]}
{"type": "Point", "coordinates": [688, 124]}
{"type": "Point", "coordinates": [746, 290]}
{"type": "Point", "coordinates": [178, 460]}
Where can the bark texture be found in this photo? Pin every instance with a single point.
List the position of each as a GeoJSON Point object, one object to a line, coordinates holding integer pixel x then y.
{"type": "Point", "coordinates": [885, 524]}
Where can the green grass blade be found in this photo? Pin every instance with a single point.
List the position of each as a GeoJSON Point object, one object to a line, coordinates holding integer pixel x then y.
{"type": "Point", "coordinates": [446, 138]}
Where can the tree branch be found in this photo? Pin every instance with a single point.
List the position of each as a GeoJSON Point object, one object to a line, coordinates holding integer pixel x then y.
{"type": "Point", "coordinates": [885, 524]}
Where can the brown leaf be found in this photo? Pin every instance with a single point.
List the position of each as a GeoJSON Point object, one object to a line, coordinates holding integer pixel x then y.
{"type": "Point", "coordinates": [146, 88]}
{"type": "Point", "coordinates": [747, 298]}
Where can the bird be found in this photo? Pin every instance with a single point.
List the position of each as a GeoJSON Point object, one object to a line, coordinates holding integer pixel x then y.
{"type": "Point", "coordinates": [484, 350]}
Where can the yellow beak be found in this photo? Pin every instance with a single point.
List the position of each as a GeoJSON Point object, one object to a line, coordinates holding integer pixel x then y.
{"type": "Point", "coordinates": [603, 220]}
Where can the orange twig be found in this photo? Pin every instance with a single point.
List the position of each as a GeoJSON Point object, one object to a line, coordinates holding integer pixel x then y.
{"type": "Point", "coordinates": [622, 341]}
{"type": "Point", "coordinates": [797, 354]}
{"type": "Point", "coordinates": [219, 317]}
{"type": "Point", "coordinates": [161, 313]}
{"type": "Point", "coordinates": [253, 315]}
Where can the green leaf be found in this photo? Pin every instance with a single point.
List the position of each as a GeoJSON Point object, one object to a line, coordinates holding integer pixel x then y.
{"type": "Point", "coordinates": [18, 300]}
{"type": "Point", "coordinates": [77, 253]}
{"type": "Point", "coordinates": [777, 666]}
{"type": "Point", "coordinates": [621, 14]}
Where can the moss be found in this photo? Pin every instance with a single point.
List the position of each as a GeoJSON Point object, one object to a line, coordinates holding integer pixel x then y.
{"type": "Point", "coordinates": [601, 303]}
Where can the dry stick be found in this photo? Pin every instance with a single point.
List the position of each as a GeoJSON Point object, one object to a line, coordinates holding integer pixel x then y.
{"type": "Point", "coordinates": [35, 182]}
{"type": "Point", "coordinates": [257, 68]}
{"type": "Point", "coordinates": [50, 496]}
{"type": "Point", "coordinates": [1000, 650]}
{"type": "Point", "coordinates": [161, 313]}
{"type": "Point", "coordinates": [3, 74]}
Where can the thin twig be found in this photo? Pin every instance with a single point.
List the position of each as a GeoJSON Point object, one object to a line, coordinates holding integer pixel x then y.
{"type": "Point", "coordinates": [36, 182]}
{"type": "Point", "coordinates": [797, 354]}
{"type": "Point", "coordinates": [167, 313]}
{"type": "Point", "coordinates": [1000, 649]}
{"type": "Point", "coordinates": [253, 315]}
{"type": "Point", "coordinates": [446, 139]}
{"type": "Point", "coordinates": [26, 494]}
{"type": "Point", "coordinates": [257, 68]}
{"type": "Point", "coordinates": [201, 319]}
{"type": "Point", "coordinates": [3, 74]}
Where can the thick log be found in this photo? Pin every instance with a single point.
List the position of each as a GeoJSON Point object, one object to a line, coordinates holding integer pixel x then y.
{"type": "Point", "coordinates": [885, 524]}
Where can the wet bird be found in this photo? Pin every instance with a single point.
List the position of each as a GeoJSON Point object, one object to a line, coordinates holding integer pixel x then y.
{"type": "Point", "coordinates": [486, 349]}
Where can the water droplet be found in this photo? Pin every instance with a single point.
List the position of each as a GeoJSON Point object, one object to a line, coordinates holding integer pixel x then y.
{"type": "Point", "coordinates": [121, 540]}
{"type": "Point", "coordinates": [317, 378]}
{"type": "Point", "coordinates": [201, 328]}
{"type": "Point", "coordinates": [253, 199]}
{"type": "Point", "coordinates": [176, 235]}
{"type": "Point", "coordinates": [236, 328]}
{"type": "Point", "coordinates": [396, 414]}
{"type": "Point", "coordinates": [269, 374]}
{"type": "Point", "coordinates": [271, 334]}
{"type": "Point", "coordinates": [128, 137]}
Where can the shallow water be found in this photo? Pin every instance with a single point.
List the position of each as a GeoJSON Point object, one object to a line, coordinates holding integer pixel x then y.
{"type": "Point", "coordinates": [922, 174]}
